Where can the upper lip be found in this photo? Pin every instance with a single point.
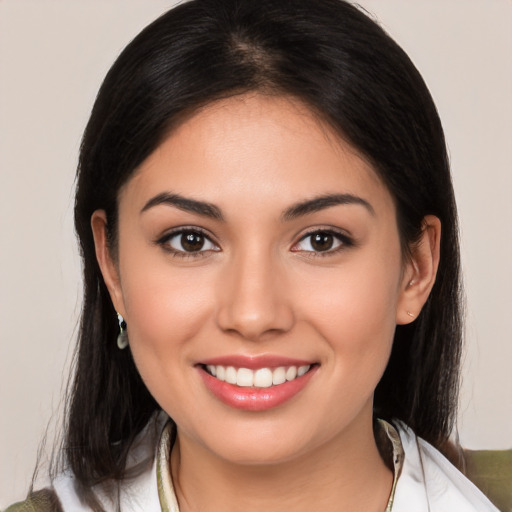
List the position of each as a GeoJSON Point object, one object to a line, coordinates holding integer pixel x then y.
{"type": "Point", "coordinates": [255, 362]}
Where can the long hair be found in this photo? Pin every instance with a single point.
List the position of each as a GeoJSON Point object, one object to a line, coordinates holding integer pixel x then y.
{"type": "Point", "coordinates": [340, 63]}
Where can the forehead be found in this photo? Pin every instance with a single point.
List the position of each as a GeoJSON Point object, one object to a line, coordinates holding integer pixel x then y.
{"type": "Point", "coordinates": [265, 148]}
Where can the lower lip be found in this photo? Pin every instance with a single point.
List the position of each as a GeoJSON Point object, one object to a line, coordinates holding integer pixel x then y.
{"type": "Point", "coordinates": [255, 399]}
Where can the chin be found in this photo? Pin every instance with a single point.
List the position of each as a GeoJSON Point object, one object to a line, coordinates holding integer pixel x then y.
{"type": "Point", "coordinates": [263, 443]}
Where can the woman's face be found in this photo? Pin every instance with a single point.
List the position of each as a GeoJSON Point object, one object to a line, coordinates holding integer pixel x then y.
{"type": "Point", "coordinates": [256, 245]}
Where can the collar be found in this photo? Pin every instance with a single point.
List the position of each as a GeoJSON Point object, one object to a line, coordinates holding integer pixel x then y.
{"type": "Point", "coordinates": [167, 496]}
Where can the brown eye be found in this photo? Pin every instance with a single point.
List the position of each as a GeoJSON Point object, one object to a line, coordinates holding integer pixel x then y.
{"type": "Point", "coordinates": [322, 241]}
{"type": "Point", "coordinates": [188, 241]}
{"type": "Point", "coordinates": [192, 241]}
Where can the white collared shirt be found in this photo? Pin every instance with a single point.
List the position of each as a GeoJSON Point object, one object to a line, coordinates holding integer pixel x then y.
{"type": "Point", "coordinates": [424, 480]}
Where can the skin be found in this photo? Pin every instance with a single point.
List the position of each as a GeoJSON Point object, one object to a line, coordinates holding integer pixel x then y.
{"type": "Point", "coordinates": [259, 288]}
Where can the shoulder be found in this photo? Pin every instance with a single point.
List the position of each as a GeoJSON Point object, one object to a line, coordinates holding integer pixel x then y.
{"type": "Point", "coordinates": [430, 482]}
{"type": "Point", "coordinates": [45, 500]}
{"type": "Point", "coordinates": [138, 492]}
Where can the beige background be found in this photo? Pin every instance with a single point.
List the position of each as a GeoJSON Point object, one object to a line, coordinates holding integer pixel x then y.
{"type": "Point", "coordinates": [53, 55]}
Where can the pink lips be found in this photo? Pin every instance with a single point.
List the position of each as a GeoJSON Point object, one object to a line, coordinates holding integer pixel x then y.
{"type": "Point", "coordinates": [251, 398]}
{"type": "Point", "coordinates": [255, 362]}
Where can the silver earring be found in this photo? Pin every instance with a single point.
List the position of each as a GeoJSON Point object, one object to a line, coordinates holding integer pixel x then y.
{"type": "Point", "coordinates": [122, 337]}
{"type": "Point", "coordinates": [410, 314]}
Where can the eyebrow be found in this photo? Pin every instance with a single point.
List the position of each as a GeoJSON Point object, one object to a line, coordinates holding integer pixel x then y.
{"type": "Point", "coordinates": [189, 205]}
{"type": "Point", "coordinates": [297, 210]}
{"type": "Point", "coordinates": [325, 201]}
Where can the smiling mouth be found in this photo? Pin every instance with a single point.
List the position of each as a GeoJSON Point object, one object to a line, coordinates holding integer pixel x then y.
{"type": "Point", "coordinates": [258, 378]}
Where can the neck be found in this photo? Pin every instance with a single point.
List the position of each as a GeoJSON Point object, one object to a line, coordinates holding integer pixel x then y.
{"type": "Point", "coordinates": [335, 476]}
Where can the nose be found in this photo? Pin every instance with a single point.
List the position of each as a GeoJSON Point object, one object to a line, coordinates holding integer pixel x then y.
{"type": "Point", "coordinates": [253, 300]}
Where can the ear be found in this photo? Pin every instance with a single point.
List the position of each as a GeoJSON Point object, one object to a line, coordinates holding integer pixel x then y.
{"type": "Point", "coordinates": [420, 271]}
{"type": "Point", "coordinates": [109, 268]}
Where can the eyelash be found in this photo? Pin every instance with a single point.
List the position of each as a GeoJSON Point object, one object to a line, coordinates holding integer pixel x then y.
{"type": "Point", "coordinates": [344, 241]}
{"type": "Point", "coordinates": [164, 242]}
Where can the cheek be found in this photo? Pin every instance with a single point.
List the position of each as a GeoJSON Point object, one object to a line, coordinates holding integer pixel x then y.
{"type": "Point", "coordinates": [165, 308]}
{"type": "Point", "coordinates": [354, 309]}
{"type": "Point", "coordinates": [155, 307]}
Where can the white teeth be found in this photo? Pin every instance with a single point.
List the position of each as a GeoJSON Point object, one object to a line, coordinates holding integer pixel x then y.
{"type": "Point", "coordinates": [278, 376]}
{"type": "Point", "coordinates": [291, 373]}
{"type": "Point", "coordinates": [231, 376]}
{"type": "Point", "coordinates": [244, 377]}
{"type": "Point", "coordinates": [302, 370]}
{"type": "Point", "coordinates": [261, 378]}
{"type": "Point", "coordinates": [221, 373]}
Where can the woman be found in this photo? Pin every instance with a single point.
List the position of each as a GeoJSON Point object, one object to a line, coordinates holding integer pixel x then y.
{"type": "Point", "coordinates": [269, 238]}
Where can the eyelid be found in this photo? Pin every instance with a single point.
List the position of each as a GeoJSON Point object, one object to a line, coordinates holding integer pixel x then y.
{"type": "Point", "coordinates": [346, 240]}
{"type": "Point", "coordinates": [168, 235]}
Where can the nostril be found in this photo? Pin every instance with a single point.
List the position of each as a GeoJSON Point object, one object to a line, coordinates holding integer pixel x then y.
{"type": "Point", "coordinates": [255, 321]}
